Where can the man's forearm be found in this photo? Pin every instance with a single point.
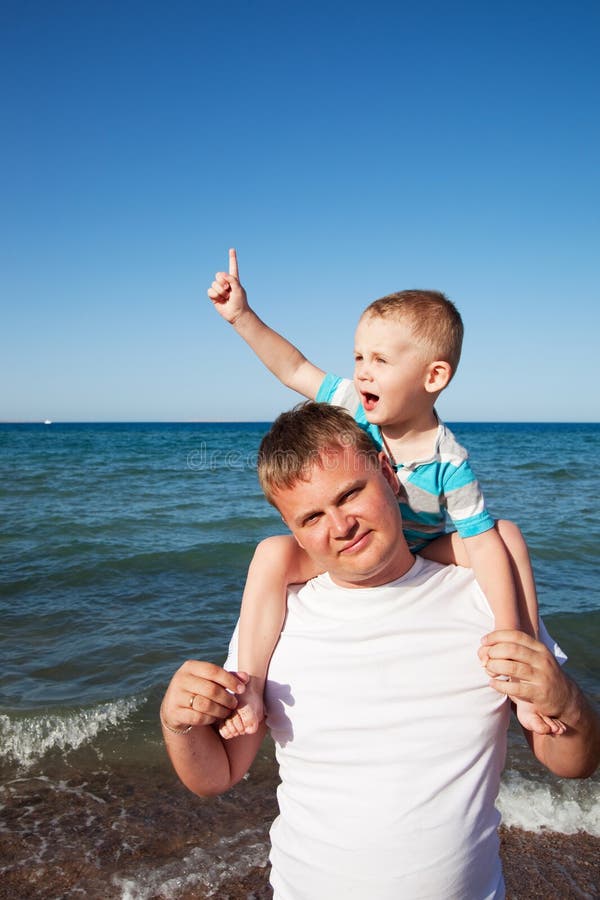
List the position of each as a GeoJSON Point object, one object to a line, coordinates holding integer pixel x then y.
{"type": "Point", "coordinates": [575, 754]}
{"type": "Point", "coordinates": [523, 667]}
{"type": "Point", "coordinates": [200, 759]}
{"type": "Point", "coordinates": [207, 764]}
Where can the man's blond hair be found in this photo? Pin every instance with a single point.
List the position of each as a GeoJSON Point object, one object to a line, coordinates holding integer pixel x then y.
{"type": "Point", "coordinates": [302, 438]}
{"type": "Point", "coordinates": [434, 321]}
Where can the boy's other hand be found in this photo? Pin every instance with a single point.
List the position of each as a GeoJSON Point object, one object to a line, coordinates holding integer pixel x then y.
{"type": "Point", "coordinates": [227, 294]}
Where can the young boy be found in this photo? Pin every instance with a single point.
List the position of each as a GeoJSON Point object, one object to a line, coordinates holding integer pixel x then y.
{"type": "Point", "coordinates": [407, 349]}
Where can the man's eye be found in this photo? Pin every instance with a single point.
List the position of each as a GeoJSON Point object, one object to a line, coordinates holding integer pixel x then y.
{"type": "Point", "coordinates": [310, 520]}
{"type": "Point", "coordinates": [350, 494]}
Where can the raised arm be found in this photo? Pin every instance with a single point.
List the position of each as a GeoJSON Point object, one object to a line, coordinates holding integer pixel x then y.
{"type": "Point", "coordinates": [535, 676]}
{"type": "Point", "coordinates": [284, 360]}
{"type": "Point", "coordinates": [201, 694]}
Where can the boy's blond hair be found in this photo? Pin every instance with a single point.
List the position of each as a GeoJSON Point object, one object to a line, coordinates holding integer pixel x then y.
{"type": "Point", "coordinates": [434, 320]}
{"type": "Point", "coordinates": [302, 438]}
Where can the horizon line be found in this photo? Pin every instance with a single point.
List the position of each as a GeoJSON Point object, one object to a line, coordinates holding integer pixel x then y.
{"type": "Point", "coordinates": [49, 422]}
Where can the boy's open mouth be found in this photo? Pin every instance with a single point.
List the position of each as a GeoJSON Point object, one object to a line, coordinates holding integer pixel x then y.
{"type": "Point", "coordinates": [369, 400]}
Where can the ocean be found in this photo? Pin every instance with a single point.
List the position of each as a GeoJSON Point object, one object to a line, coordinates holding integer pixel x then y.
{"type": "Point", "coordinates": [123, 552]}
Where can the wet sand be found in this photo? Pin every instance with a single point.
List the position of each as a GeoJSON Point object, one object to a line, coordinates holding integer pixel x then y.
{"type": "Point", "coordinates": [111, 821]}
{"type": "Point", "coordinates": [548, 866]}
{"type": "Point", "coordinates": [137, 833]}
{"type": "Point", "coordinates": [544, 866]}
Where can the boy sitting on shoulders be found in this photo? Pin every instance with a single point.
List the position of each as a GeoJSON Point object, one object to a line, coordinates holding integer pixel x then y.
{"type": "Point", "coordinates": [407, 349]}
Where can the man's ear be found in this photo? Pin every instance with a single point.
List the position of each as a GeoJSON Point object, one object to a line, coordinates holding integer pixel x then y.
{"type": "Point", "coordinates": [438, 375]}
{"type": "Point", "coordinates": [388, 472]}
{"type": "Point", "coordinates": [302, 547]}
{"type": "Point", "coordinates": [293, 535]}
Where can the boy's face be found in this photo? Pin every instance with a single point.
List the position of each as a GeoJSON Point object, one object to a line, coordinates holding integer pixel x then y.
{"type": "Point", "coordinates": [390, 371]}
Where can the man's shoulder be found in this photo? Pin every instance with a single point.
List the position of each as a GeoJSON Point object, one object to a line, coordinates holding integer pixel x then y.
{"type": "Point", "coordinates": [427, 571]}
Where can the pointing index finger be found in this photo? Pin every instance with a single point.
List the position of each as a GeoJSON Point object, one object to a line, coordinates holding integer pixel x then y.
{"type": "Point", "coordinates": [233, 264]}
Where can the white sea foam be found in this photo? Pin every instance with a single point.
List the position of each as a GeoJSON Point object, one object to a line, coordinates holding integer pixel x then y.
{"type": "Point", "coordinates": [567, 806]}
{"type": "Point", "coordinates": [209, 869]}
{"type": "Point", "coordinates": [25, 740]}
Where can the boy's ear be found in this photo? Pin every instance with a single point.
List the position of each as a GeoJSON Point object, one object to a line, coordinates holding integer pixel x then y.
{"type": "Point", "coordinates": [438, 375]}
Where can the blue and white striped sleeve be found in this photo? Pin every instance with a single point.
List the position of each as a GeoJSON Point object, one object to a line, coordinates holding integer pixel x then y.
{"type": "Point", "coordinates": [339, 392]}
{"type": "Point", "coordinates": [464, 501]}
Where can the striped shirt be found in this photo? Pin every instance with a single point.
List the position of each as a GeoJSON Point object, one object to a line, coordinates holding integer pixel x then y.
{"type": "Point", "coordinates": [436, 492]}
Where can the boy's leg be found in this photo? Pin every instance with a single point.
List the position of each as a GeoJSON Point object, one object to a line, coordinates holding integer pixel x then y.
{"type": "Point", "coordinates": [277, 562]}
{"type": "Point", "coordinates": [522, 574]}
{"type": "Point", "coordinates": [261, 620]}
{"type": "Point", "coordinates": [528, 608]}
{"type": "Point", "coordinates": [449, 550]}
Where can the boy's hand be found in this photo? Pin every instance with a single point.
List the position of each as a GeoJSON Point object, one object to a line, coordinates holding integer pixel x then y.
{"type": "Point", "coordinates": [227, 294]}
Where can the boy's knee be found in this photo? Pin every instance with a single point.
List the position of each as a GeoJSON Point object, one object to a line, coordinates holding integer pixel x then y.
{"type": "Point", "coordinates": [276, 545]}
{"type": "Point", "coordinates": [510, 533]}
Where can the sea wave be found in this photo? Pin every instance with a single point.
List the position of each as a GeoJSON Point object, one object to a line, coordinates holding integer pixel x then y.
{"type": "Point", "coordinates": [26, 739]}
{"type": "Point", "coordinates": [565, 806]}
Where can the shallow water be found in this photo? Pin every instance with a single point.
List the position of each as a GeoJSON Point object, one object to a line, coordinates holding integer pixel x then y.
{"type": "Point", "coordinates": [124, 550]}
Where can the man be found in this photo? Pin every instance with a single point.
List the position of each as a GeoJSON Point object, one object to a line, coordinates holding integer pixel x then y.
{"type": "Point", "coordinates": [389, 738]}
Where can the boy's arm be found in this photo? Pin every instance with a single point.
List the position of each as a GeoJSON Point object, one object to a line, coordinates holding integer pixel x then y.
{"type": "Point", "coordinates": [205, 763]}
{"type": "Point", "coordinates": [490, 562]}
{"type": "Point", "coordinates": [284, 360]}
{"type": "Point", "coordinates": [535, 676]}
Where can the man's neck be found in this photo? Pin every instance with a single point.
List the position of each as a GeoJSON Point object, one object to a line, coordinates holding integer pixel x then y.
{"type": "Point", "coordinates": [395, 571]}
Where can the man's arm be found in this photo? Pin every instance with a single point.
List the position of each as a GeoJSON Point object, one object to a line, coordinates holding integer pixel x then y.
{"type": "Point", "coordinates": [536, 676]}
{"type": "Point", "coordinates": [284, 360]}
{"type": "Point", "coordinates": [200, 694]}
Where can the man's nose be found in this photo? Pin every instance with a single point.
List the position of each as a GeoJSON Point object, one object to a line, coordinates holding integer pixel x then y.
{"type": "Point", "coordinates": [341, 522]}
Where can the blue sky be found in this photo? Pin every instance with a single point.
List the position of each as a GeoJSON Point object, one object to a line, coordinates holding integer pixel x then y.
{"type": "Point", "coordinates": [347, 150]}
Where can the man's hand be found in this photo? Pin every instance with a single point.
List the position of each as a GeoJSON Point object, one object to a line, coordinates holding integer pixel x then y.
{"type": "Point", "coordinates": [227, 294]}
{"type": "Point", "coordinates": [200, 693]}
{"type": "Point", "coordinates": [524, 668]}
{"type": "Point", "coordinates": [534, 675]}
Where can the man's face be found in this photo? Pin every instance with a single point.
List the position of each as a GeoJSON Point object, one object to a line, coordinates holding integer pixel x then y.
{"type": "Point", "coordinates": [346, 517]}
